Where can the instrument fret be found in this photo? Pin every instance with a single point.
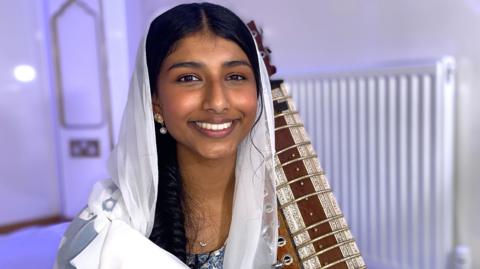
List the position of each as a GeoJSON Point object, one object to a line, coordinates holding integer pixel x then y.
{"type": "Point", "coordinates": [294, 146]}
{"type": "Point", "coordinates": [297, 160]}
{"type": "Point", "coordinates": [299, 179]}
{"type": "Point", "coordinates": [288, 113]}
{"type": "Point", "coordinates": [304, 197]}
{"type": "Point", "coordinates": [328, 249]}
{"type": "Point", "coordinates": [322, 236]}
{"type": "Point", "coordinates": [282, 98]}
{"type": "Point", "coordinates": [316, 224]}
{"type": "Point", "coordinates": [343, 260]}
{"type": "Point", "coordinates": [288, 126]}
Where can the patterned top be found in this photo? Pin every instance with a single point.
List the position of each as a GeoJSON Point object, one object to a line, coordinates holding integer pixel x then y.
{"type": "Point", "coordinates": [210, 260]}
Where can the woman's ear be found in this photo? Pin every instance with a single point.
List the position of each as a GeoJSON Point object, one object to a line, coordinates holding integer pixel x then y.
{"type": "Point", "coordinates": [156, 105]}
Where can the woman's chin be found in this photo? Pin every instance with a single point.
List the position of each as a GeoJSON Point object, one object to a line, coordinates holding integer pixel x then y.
{"type": "Point", "coordinates": [218, 152]}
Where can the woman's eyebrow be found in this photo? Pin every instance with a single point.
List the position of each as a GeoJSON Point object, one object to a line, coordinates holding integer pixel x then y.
{"type": "Point", "coordinates": [185, 64]}
{"type": "Point", "coordinates": [236, 63]}
{"type": "Point", "coordinates": [192, 64]}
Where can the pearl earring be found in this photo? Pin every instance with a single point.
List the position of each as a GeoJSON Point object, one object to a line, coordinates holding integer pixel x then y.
{"type": "Point", "coordinates": [158, 118]}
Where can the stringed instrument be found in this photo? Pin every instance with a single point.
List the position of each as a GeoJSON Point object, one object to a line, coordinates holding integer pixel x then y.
{"type": "Point", "coordinates": [313, 233]}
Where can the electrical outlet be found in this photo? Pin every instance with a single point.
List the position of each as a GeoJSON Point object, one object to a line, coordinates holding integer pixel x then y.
{"type": "Point", "coordinates": [85, 148]}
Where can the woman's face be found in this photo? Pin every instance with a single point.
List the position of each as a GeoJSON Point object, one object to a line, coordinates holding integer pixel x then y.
{"type": "Point", "coordinates": [207, 95]}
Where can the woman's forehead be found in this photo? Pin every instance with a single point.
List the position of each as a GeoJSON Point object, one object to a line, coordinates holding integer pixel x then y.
{"type": "Point", "coordinates": [206, 47]}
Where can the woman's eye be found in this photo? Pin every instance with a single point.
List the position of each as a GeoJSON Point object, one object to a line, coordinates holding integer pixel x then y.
{"type": "Point", "coordinates": [236, 77]}
{"type": "Point", "coordinates": [188, 78]}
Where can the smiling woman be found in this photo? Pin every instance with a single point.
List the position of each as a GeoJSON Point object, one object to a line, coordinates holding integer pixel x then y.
{"type": "Point", "coordinates": [189, 190]}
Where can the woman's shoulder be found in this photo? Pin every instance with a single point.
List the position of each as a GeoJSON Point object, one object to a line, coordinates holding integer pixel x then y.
{"type": "Point", "coordinates": [105, 204]}
{"type": "Point", "coordinates": [101, 236]}
{"type": "Point", "coordinates": [79, 234]}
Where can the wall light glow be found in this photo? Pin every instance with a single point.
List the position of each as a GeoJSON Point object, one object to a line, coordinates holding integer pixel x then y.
{"type": "Point", "coordinates": [24, 73]}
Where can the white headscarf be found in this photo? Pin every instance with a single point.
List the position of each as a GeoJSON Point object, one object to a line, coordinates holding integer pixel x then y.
{"type": "Point", "coordinates": [113, 231]}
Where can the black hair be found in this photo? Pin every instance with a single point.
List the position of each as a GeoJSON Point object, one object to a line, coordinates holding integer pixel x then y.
{"type": "Point", "coordinates": [164, 33]}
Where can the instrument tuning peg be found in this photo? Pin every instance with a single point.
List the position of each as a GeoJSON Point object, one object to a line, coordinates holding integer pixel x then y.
{"type": "Point", "coordinates": [277, 265]}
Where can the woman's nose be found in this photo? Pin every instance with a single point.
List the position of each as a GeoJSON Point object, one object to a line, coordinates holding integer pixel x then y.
{"type": "Point", "coordinates": [215, 98]}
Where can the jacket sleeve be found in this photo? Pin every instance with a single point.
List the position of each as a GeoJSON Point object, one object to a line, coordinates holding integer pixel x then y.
{"type": "Point", "coordinates": [84, 233]}
{"type": "Point", "coordinates": [101, 237]}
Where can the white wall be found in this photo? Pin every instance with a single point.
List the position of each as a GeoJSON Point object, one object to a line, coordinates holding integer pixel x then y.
{"type": "Point", "coordinates": [28, 171]}
{"type": "Point", "coordinates": [311, 36]}
{"type": "Point", "coordinates": [39, 175]}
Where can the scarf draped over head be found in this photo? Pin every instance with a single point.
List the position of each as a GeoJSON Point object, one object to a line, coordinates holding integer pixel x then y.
{"type": "Point", "coordinates": [113, 230]}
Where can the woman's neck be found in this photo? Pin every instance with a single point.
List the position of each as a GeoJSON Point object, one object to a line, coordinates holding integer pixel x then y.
{"type": "Point", "coordinates": [206, 180]}
{"type": "Point", "coordinates": [209, 187]}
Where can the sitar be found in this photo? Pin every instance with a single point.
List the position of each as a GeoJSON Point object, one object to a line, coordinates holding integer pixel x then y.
{"type": "Point", "coordinates": [313, 232]}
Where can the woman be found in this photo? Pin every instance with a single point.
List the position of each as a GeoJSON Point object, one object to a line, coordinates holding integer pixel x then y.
{"type": "Point", "coordinates": [196, 187]}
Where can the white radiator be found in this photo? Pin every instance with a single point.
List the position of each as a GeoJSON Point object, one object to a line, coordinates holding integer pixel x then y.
{"type": "Point", "coordinates": [384, 136]}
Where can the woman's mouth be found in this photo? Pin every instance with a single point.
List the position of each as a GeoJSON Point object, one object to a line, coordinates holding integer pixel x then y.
{"type": "Point", "coordinates": [215, 130]}
{"type": "Point", "coordinates": [213, 126]}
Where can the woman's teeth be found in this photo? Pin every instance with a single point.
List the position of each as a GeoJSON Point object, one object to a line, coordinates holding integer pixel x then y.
{"type": "Point", "coordinates": [214, 127]}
